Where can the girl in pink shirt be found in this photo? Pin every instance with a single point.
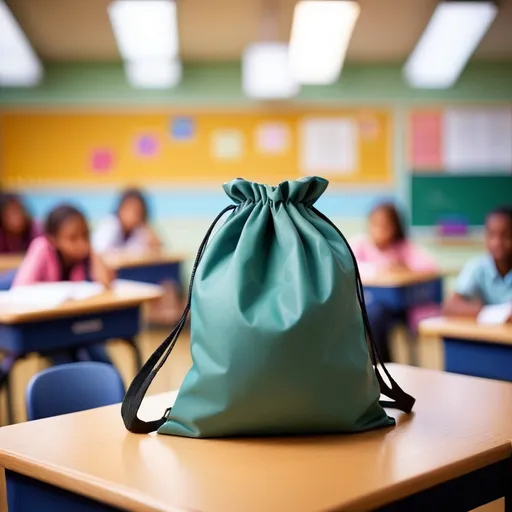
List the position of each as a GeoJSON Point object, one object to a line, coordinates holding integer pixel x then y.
{"type": "Point", "coordinates": [388, 249]}
{"type": "Point", "coordinates": [63, 253]}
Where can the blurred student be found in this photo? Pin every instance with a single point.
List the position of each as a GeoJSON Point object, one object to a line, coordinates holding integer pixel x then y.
{"type": "Point", "coordinates": [387, 249]}
{"type": "Point", "coordinates": [128, 228]}
{"type": "Point", "coordinates": [64, 253]}
{"type": "Point", "coordinates": [486, 280]}
{"type": "Point", "coordinates": [17, 229]}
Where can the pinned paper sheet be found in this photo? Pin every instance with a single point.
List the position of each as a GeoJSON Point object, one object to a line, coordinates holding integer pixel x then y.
{"type": "Point", "coordinates": [227, 144]}
{"type": "Point", "coordinates": [495, 315]}
{"type": "Point", "coordinates": [329, 146]}
{"type": "Point", "coordinates": [478, 139]}
{"type": "Point", "coordinates": [272, 138]}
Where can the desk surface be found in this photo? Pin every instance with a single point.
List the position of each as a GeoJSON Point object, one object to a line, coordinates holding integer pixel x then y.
{"type": "Point", "coordinates": [465, 328]}
{"type": "Point", "coordinates": [10, 261]}
{"type": "Point", "coordinates": [456, 428]}
{"type": "Point", "coordinates": [403, 278]}
{"type": "Point", "coordinates": [125, 294]}
{"type": "Point", "coordinates": [118, 260]}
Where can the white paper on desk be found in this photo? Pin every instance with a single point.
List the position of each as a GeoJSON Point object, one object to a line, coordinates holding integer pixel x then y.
{"type": "Point", "coordinates": [49, 295]}
{"type": "Point", "coordinates": [119, 284]}
{"type": "Point", "coordinates": [495, 315]}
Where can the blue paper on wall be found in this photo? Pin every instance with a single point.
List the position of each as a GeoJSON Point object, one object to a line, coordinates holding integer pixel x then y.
{"type": "Point", "coordinates": [182, 128]}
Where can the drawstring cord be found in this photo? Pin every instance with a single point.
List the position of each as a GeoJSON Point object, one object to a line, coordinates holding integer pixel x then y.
{"type": "Point", "coordinates": [401, 400]}
{"type": "Point", "coordinates": [147, 373]}
{"type": "Point", "coordinates": [140, 384]}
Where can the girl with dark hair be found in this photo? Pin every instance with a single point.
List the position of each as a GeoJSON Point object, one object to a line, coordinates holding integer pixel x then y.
{"type": "Point", "coordinates": [387, 249]}
{"type": "Point", "coordinates": [17, 229]}
{"type": "Point", "coordinates": [64, 253]}
{"type": "Point", "coordinates": [128, 228]}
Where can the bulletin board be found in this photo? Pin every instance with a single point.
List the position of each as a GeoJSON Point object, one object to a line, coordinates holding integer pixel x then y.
{"type": "Point", "coordinates": [44, 148]}
{"type": "Point", "coordinates": [460, 158]}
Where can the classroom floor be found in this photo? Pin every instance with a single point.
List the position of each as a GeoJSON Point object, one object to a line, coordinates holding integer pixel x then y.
{"type": "Point", "coordinates": [172, 374]}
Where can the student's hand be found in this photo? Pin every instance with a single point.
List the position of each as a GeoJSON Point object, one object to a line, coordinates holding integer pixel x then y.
{"type": "Point", "coordinates": [100, 272]}
{"type": "Point", "coordinates": [152, 241]}
{"type": "Point", "coordinates": [397, 267]}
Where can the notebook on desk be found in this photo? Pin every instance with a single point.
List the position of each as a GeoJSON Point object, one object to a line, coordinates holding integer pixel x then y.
{"type": "Point", "coordinates": [47, 295]}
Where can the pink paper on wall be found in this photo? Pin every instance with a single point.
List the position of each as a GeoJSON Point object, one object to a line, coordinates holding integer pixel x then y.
{"type": "Point", "coordinates": [101, 160]}
{"type": "Point", "coordinates": [426, 141]}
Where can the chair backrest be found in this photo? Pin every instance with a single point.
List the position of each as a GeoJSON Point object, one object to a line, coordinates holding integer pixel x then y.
{"type": "Point", "coordinates": [71, 388]}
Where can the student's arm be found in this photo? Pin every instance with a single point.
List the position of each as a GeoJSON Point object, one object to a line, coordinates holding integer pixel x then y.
{"type": "Point", "coordinates": [100, 272]}
{"type": "Point", "coordinates": [152, 239]}
{"type": "Point", "coordinates": [466, 301]}
{"type": "Point", "coordinates": [416, 258]}
{"type": "Point", "coordinates": [106, 236]}
{"type": "Point", "coordinates": [458, 305]}
{"type": "Point", "coordinates": [142, 239]}
{"type": "Point", "coordinates": [32, 268]}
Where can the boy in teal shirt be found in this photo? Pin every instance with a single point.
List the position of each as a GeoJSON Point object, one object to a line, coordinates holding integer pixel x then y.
{"type": "Point", "coordinates": [488, 279]}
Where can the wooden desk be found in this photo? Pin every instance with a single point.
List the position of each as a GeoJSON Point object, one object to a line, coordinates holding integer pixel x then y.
{"type": "Point", "coordinates": [450, 451]}
{"type": "Point", "coordinates": [113, 314]}
{"type": "Point", "coordinates": [150, 267]}
{"type": "Point", "coordinates": [473, 349]}
{"type": "Point", "coordinates": [403, 290]}
{"type": "Point", "coordinates": [10, 261]}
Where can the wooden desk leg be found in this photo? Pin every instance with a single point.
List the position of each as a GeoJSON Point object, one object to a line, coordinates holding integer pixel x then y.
{"type": "Point", "coordinates": [137, 352]}
{"type": "Point", "coordinates": [3, 491]}
{"type": "Point", "coordinates": [508, 491]}
{"type": "Point", "coordinates": [9, 399]}
{"type": "Point", "coordinates": [7, 366]}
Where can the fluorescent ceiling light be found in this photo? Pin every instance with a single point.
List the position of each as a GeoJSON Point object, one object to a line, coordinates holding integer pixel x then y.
{"type": "Point", "coordinates": [145, 29]}
{"type": "Point", "coordinates": [452, 35]}
{"type": "Point", "coordinates": [266, 72]}
{"type": "Point", "coordinates": [153, 74]}
{"type": "Point", "coordinates": [320, 37]}
{"type": "Point", "coordinates": [19, 65]}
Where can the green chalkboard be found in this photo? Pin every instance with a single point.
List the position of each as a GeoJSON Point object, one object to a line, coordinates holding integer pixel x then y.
{"type": "Point", "coordinates": [434, 197]}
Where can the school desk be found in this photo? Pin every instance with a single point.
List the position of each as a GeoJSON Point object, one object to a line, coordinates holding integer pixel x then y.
{"type": "Point", "coordinates": [449, 455]}
{"type": "Point", "coordinates": [473, 349]}
{"type": "Point", "coordinates": [404, 289]}
{"type": "Point", "coordinates": [112, 314]}
{"type": "Point", "coordinates": [148, 267]}
{"type": "Point", "coordinates": [10, 261]}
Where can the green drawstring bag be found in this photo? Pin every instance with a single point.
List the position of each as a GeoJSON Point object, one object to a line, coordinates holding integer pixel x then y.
{"type": "Point", "coordinates": [280, 338]}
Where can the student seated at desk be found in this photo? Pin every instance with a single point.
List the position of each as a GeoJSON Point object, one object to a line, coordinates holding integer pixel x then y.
{"type": "Point", "coordinates": [64, 253]}
{"type": "Point", "coordinates": [388, 250]}
{"type": "Point", "coordinates": [486, 280]}
{"type": "Point", "coordinates": [128, 228]}
{"type": "Point", "coordinates": [17, 230]}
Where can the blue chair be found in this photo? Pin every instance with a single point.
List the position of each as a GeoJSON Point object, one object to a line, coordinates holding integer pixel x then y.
{"type": "Point", "coordinates": [71, 388]}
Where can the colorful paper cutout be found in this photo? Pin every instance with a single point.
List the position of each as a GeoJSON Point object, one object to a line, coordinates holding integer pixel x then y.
{"type": "Point", "coordinates": [272, 138]}
{"type": "Point", "coordinates": [227, 144]}
{"type": "Point", "coordinates": [147, 145]}
{"type": "Point", "coordinates": [101, 160]}
{"type": "Point", "coordinates": [182, 128]}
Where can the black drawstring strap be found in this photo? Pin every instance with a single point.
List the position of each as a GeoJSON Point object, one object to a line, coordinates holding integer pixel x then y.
{"type": "Point", "coordinates": [400, 399]}
{"type": "Point", "coordinates": [147, 373]}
